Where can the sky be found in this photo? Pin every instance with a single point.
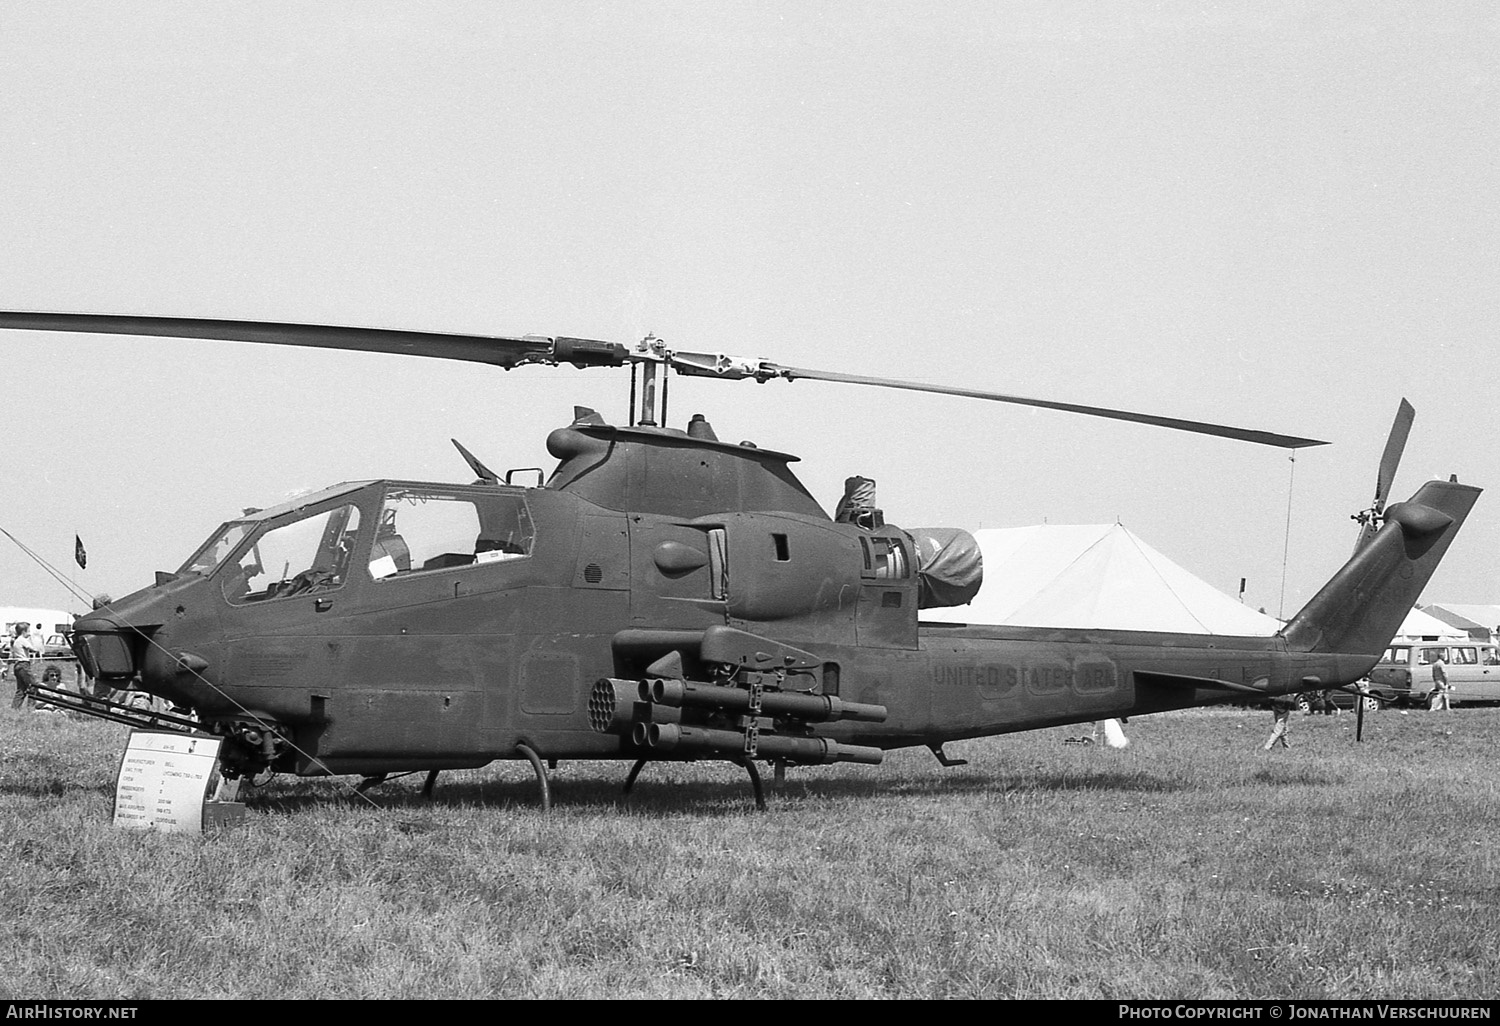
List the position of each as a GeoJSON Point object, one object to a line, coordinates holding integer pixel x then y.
{"type": "Point", "coordinates": [1278, 215]}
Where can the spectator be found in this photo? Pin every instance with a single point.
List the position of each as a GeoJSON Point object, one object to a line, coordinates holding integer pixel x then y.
{"type": "Point", "coordinates": [23, 649]}
{"type": "Point", "coordinates": [51, 678]}
{"type": "Point", "coordinates": [1281, 711]}
{"type": "Point", "coordinates": [1440, 687]}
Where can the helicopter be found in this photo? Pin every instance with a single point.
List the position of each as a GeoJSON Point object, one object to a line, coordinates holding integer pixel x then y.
{"type": "Point", "coordinates": [661, 595]}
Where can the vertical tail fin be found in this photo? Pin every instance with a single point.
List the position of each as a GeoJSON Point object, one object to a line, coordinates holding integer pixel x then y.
{"type": "Point", "coordinates": [1361, 608]}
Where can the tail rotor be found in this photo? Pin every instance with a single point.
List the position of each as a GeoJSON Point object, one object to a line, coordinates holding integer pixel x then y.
{"type": "Point", "coordinates": [1370, 519]}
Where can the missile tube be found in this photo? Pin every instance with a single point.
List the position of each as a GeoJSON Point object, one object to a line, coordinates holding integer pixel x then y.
{"type": "Point", "coordinates": [811, 708]}
{"type": "Point", "coordinates": [615, 705]}
{"type": "Point", "coordinates": [809, 751]}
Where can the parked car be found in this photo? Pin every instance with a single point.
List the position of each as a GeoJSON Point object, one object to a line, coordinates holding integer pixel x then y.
{"type": "Point", "coordinates": [1334, 699]}
{"type": "Point", "coordinates": [1404, 674]}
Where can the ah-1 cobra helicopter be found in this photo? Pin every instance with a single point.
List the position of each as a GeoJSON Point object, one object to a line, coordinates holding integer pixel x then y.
{"type": "Point", "coordinates": [664, 595]}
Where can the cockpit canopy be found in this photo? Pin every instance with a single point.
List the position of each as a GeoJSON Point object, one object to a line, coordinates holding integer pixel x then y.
{"type": "Point", "coordinates": [385, 529]}
{"type": "Point", "coordinates": [430, 527]}
{"type": "Point", "coordinates": [228, 538]}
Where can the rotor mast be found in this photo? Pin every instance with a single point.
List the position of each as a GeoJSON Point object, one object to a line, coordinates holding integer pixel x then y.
{"type": "Point", "coordinates": [652, 353]}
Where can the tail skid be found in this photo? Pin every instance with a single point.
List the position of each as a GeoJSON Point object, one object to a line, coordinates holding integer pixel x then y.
{"type": "Point", "coordinates": [1361, 608]}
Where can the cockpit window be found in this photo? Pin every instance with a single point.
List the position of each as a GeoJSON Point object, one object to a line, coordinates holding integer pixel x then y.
{"type": "Point", "coordinates": [427, 529]}
{"type": "Point", "coordinates": [303, 557]}
{"type": "Point", "coordinates": [217, 549]}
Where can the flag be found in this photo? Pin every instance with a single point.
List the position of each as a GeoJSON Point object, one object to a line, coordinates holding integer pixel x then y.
{"type": "Point", "coordinates": [79, 554]}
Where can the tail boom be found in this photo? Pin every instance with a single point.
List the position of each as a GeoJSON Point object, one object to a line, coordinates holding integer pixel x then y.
{"type": "Point", "coordinates": [1361, 608]}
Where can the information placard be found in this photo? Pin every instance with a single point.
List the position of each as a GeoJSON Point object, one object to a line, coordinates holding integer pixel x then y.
{"type": "Point", "coordinates": [164, 779]}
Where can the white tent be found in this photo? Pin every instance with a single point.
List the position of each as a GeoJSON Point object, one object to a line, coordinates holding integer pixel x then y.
{"type": "Point", "coordinates": [1100, 576]}
{"type": "Point", "coordinates": [1465, 616]}
{"type": "Point", "coordinates": [1424, 625]}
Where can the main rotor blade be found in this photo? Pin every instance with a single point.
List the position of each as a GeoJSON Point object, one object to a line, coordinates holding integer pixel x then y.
{"type": "Point", "coordinates": [1394, 445]}
{"type": "Point", "coordinates": [714, 365]}
{"type": "Point", "coordinates": [508, 352]}
{"type": "Point", "coordinates": [498, 351]}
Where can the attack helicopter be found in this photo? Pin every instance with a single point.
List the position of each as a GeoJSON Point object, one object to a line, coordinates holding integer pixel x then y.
{"type": "Point", "coordinates": [662, 595]}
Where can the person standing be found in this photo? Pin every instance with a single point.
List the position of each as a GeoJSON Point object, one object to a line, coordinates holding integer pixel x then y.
{"type": "Point", "coordinates": [1439, 697]}
{"type": "Point", "coordinates": [23, 649]}
{"type": "Point", "coordinates": [1281, 711]}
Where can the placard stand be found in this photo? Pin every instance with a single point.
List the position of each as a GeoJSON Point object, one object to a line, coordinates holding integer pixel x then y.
{"type": "Point", "coordinates": [164, 783]}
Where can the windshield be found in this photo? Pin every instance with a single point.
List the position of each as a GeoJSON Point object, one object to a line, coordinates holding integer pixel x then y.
{"type": "Point", "coordinates": [217, 548]}
{"type": "Point", "coordinates": [296, 557]}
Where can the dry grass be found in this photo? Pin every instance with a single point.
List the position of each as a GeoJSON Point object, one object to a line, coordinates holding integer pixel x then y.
{"type": "Point", "coordinates": [1189, 865]}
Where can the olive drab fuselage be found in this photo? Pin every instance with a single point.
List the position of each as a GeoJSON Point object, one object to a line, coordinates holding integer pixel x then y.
{"type": "Point", "coordinates": [389, 625]}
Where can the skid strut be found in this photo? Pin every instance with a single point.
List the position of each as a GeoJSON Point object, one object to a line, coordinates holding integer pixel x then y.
{"type": "Point", "coordinates": [760, 794]}
{"type": "Point", "coordinates": [369, 782]}
{"type": "Point", "coordinates": [541, 774]}
{"type": "Point", "coordinates": [635, 771]}
{"type": "Point", "coordinates": [748, 765]}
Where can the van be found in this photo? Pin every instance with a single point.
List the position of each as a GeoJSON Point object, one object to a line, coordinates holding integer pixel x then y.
{"type": "Point", "coordinates": [44, 623]}
{"type": "Point", "coordinates": [1404, 673]}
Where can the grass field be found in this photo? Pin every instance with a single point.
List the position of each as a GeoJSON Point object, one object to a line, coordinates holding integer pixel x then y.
{"type": "Point", "coordinates": [1190, 865]}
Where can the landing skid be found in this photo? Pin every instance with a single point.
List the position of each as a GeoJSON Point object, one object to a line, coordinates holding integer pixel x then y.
{"type": "Point", "coordinates": [430, 784]}
{"type": "Point", "coordinates": [746, 764]}
{"type": "Point", "coordinates": [937, 751]}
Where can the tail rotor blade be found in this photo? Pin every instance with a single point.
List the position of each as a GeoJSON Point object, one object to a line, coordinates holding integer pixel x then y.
{"type": "Point", "coordinates": [1370, 519]}
{"type": "Point", "coordinates": [1392, 455]}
